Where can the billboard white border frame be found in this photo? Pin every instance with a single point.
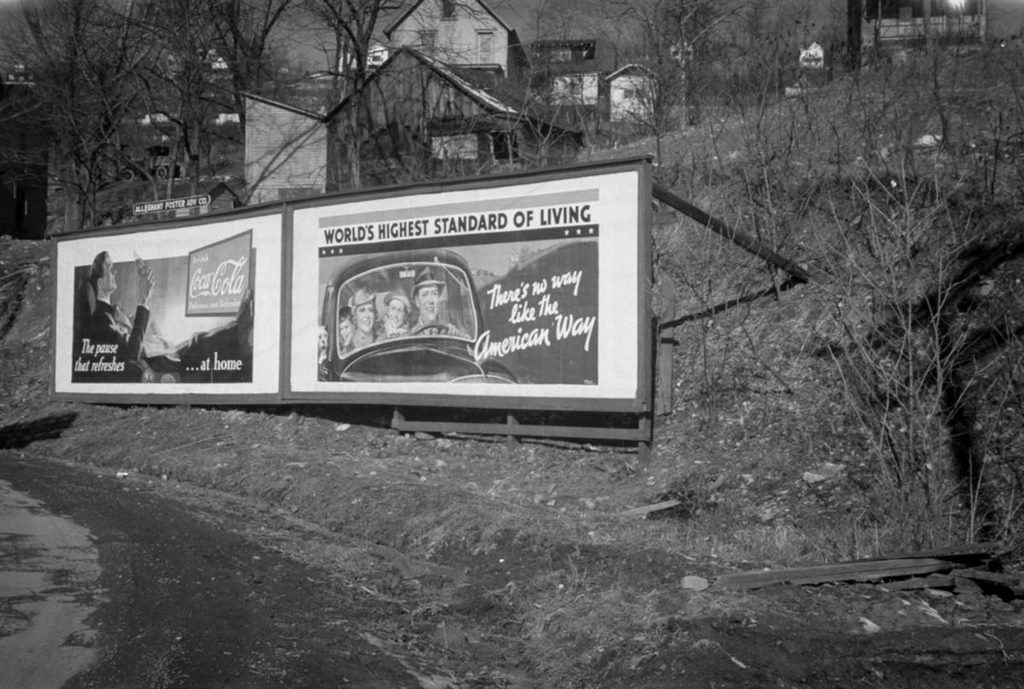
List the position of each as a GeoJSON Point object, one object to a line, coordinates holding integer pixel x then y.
{"type": "Point", "coordinates": [638, 403]}
{"type": "Point", "coordinates": [150, 393]}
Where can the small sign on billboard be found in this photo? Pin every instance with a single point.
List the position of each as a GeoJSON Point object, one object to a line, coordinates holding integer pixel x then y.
{"type": "Point", "coordinates": [185, 203]}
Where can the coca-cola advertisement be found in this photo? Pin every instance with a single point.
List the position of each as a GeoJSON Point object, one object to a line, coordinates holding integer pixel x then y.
{"type": "Point", "coordinates": [218, 276]}
{"type": "Point", "coordinates": [173, 307]}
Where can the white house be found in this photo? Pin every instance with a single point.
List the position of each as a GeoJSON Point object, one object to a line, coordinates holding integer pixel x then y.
{"type": "Point", "coordinates": [630, 93]}
{"type": "Point", "coordinates": [459, 32]}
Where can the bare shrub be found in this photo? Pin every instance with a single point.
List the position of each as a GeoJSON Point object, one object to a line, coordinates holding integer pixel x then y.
{"type": "Point", "coordinates": [898, 190]}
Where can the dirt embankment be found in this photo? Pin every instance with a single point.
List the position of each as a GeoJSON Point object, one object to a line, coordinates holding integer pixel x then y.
{"type": "Point", "coordinates": [513, 565]}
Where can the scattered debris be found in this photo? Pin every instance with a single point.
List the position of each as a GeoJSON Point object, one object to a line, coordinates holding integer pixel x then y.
{"type": "Point", "coordinates": [931, 612]}
{"type": "Point", "coordinates": [927, 141]}
{"type": "Point", "coordinates": [967, 569]}
{"type": "Point", "coordinates": [647, 509]}
{"type": "Point", "coordinates": [932, 581]}
{"type": "Point", "coordinates": [826, 471]}
{"type": "Point", "coordinates": [812, 477]}
{"type": "Point", "coordinates": [869, 627]}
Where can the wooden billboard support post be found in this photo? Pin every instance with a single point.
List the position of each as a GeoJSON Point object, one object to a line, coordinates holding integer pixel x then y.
{"type": "Point", "coordinates": [664, 379]}
{"type": "Point", "coordinates": [512, 438]}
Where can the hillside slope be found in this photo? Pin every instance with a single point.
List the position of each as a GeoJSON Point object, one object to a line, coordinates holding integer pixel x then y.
{"type": "Point", "coordinates": [811, 425]}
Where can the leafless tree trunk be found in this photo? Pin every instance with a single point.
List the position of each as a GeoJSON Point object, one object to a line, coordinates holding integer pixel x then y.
{"type": "Point", "coordinates": [84, 56]}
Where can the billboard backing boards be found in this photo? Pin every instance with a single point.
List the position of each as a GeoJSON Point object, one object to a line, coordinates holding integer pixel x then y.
{"type": "Point", "coordinates": [523, 292]}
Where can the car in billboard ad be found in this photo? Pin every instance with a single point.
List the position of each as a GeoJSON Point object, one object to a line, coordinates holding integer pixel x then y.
{"type": "Point", "coordinates": [170, 310]}
{"type": "Point", "coordinates": [522, 292]}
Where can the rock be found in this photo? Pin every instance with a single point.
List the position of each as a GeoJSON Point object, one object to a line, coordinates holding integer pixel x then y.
{"type": "Point", "coordinates": [830, 469]}
{"type": "Point", "coordinates": [869, 627]}
{"type": "Point", "coordinates": [824, 472]}
{"type": "Point", "coordinates": [927, 141]}
{"type": "Point", "coordinates": [692, 582]}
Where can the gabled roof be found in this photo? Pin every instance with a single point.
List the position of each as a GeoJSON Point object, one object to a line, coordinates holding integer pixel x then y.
{"type": "Point", "coordinates": [491, 103]}
{"type": "Point", "coordinates": [631, 67]}
{"type": "Point", "coordinates": [285, 106]}
{"type": "Point", "coordinates": [477, 95]}
{"type": "Point", "coordinates": [402, 17]}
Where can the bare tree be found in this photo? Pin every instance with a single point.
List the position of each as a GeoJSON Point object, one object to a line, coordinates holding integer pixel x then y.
{"type": "Point", "coordinates": [676, 40]}
{"type": "Point", "coordinates": [242, 34]}
{"type": "Point", "coordinates": [177, 77]}
{"type": "Point", "coordinates": [352, 23]}
{"type": "Point", "coordinates": [84, 56]}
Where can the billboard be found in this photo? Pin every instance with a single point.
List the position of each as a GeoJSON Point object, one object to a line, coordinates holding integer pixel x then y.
{"type": "Point", "coordinates": [171, 311]}
{"type": "Point", "coordinates": [523, 292]}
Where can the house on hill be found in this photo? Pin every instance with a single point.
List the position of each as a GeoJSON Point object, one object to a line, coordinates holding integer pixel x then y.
{"type": "Point", "coordinates": [416, 119]}
{"type": "Point", "coordinates": [896, 22]}
{"type": "Point", "coordinates": [420, 118]}
{"type": "Point", "coordinates": [570, 73]}
{"type": "Point", "coordinates": [631, 91]}
{"type": "Point", "coordinates": [466, 33]}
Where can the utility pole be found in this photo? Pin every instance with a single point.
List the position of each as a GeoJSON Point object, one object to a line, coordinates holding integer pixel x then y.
{"type": "Point", "coordinates": [854, 22]}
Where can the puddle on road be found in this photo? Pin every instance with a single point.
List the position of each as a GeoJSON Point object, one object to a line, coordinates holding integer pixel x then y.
{"type": "Point", "coordinates": [49, 571]}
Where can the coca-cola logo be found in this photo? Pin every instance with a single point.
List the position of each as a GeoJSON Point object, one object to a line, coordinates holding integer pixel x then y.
{"type": "Point", "coordinates": [229, 278]}
{"type": "Point", "coordinates": [218, 276]}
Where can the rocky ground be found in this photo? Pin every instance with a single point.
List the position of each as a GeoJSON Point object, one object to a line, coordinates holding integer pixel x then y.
{"type": "Point", "coordinates": [527, 564]}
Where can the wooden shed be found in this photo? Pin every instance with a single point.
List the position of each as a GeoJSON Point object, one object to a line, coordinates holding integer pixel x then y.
{"type": "Point", "coordinates": [418, 118]}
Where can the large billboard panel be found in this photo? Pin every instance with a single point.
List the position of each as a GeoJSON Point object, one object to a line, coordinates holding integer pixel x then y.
{"type": "Point", "coordinates": [189, 310]}
{"type": "Point", "coordinates": [524, 292]}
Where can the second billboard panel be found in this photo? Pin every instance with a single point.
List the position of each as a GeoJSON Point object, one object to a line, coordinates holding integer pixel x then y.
{"type": "Point", "coordinates": [522, 290]}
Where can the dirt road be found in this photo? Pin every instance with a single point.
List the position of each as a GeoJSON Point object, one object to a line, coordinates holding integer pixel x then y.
{"type": "Point", "coordinates": [185, 602]}
{"type": "Point", "coordinates": [198, 588]}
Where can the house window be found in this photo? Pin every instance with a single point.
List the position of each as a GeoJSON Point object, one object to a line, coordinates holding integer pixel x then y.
{"type": "Point", "coordinates": [504, 146]}
{"type": "Point", "coordinates": [458, 147]}
{"type": "Point", "coordinates": [561, 55]}
{"type": "Point", "coordinates": [568, 88]}
{"type": "Point", "coordinates": [428, 41]}
{"type": "Point", "coordinates": [376, 56]}
{"type": "Point", "coordinates": [448, 9]}
{"type": "Point", "coordinates": [485, 46]}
